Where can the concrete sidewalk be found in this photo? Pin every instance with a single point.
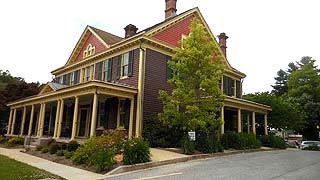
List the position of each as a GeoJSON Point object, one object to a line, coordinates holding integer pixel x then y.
{"type": "Point", "coordinates": [64, 171]}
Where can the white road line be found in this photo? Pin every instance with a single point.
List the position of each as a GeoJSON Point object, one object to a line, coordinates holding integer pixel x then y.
{"type": "Point", "coordinates": [155, 177]}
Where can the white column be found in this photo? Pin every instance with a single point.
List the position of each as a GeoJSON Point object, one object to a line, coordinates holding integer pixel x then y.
{"type": "Point", "coordinates": [10, 120]}
{"type": "Point", "coordinates": [254, 122]}
{"type": "Point", "coordinates": [13, 121]}
{"type": "Point", "coordinates": [23, 120]}
{"type": "Point", "coordinates": [42, 119]}
{"type": "Point", "coordinates": [222, 120]}
{"type": "Point", "coordinates": [60, 118]}
{"type": "Point", "coordinates": [94, 115]}
{"type": "Point", "coordinates": [39, 120]}
{"type": "Point", "coordinates": [239, 121]}
{"type": "Point", "coordinates": [75, 117]}
{"type": "Point", "coordinates": [265, 124]}
{"type": "Point", "coordinates": [248, 122]}
{"type": "Point", "coordinates": [56, 122]}
{"type": "Point", "coordinates": [131, 117]}
{"type": "Point", "coordinates": [31, 120]}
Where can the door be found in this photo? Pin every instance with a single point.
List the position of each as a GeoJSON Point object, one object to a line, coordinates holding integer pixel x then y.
{"type": "Point", "coordinates": [83, 122]}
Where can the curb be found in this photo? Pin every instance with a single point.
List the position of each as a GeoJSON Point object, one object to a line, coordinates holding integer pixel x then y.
{"type": "Point", "coordinates": [127, 168]}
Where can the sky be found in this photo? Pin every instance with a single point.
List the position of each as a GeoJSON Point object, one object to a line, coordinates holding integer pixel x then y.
{"type": "Point", "coordinates": [38, 36]}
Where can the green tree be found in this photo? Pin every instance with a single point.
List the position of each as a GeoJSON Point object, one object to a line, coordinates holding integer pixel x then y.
{"type": "Point", "coordinates": [281, 86]}
{"type": "Point", "coordinates": [284, 114]}
{"type": "Point", "coordinates": [196, 97]}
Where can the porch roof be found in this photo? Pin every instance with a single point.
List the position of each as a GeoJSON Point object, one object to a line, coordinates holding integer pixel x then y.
{"type": "Point", "coordinates": [246, 105]}
{"type": "Point", "coordinates": [81, 89]}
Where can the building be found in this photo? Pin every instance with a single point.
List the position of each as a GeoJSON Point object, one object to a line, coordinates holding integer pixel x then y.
{"type": "Point", "coordinates": [112, 82]}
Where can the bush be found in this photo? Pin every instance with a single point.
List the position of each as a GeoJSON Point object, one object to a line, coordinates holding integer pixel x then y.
{"type": "Point", "coordinates": [54, 147]}
{"type": "Point", "coordinates": [118, 138]}
{"type": "Point", "coordinates": [60, 152]}
{"type": "Point", "coordinates": [102, 160]}
{"type": "Point", "coordinates": [208, 144]}
{"type": "Point", "coordinates": [136, 150]}
{"type": "Point", "coordinates": [81, 155]}
{"type": "Point", "coordinates": [239, 141]}
{"type": "Point", "coordinates": [312, 148]}
{"type": "Point", "coordinates": [39, 147]}
{"type": "Point", "coordinates": [45, 149]}
{"type": "Point", "coordinates": [273, 141]}
{"type": "Point", "coordinates": [187, 145]}
{"type": "Point", "coordinates": [68, 154]}
{"type": "Point", "coordinates": [64, 145]}
{"type": "Point", "coordinates": [15, 141]}
{"type": "Point", "coordinates": [72, 145]}
{"type": "Point", "coordinates": [3, 140]}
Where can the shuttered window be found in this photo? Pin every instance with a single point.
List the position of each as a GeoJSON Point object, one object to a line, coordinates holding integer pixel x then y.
{"type": "Point", "coordinates": [107, 70]}
{"type": "Point", "coordinates": [98, 71]}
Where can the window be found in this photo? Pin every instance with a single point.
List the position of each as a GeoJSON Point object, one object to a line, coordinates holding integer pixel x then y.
{"type": "Point", "coordinates": [125, 65]}
{"type": "Point", "coordinates": [90, 50]}
{"type": "Point", "coordinates": [66, 79]}
{"type": "Point", "coordinates": [72, 78]}
{"type": "Point", "coordinates": [61, 80]}
{"type": "Point", "coordinates": [98, 71]}
{"type": "Point", "coordinates": [238, 89]}
{"type": "Point", "coordinates": [87, 73]}
{"type": "Point", "coordinates": [107, 70]}
{"type": "Point", "coordinates": [228, 86]}
{"type": "Point", "coordinates": [124, 112]}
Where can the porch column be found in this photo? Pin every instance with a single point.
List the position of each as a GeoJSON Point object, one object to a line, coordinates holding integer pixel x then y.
{"type": "Point", "coordinates": [39, 120]}
{"type": "Point", "coordinates": [43, 115]}
{"type": "Point", "coordinates": [94, 115]}
{"type": "Point", "coordinates": [23, 120]}
{"type": "Point", "coordinates": [248, 123]}
{"type": "Point", "coordinates": [265, 124]}
{"type": "Point", "coordinates": [10, 120]}
{"type": "Point", "coordinates": [13, 121]}
{"type": "Point", "coordinates": [56, 121]}
{"type": "Point", "coordinates": [60, 118]}
{"type": "Point", "coordinates": [254, 122]}
{"type": "Point", "coordinates": [31, 121]}
{"type": "Point", "coordinates": [131, 117]}
{"type": "Point", "coordinates": [75, 117]}
{"type": "Point", "coordinates": [239, 121]}
{"type": "Point", "coordinates": [222, 120]}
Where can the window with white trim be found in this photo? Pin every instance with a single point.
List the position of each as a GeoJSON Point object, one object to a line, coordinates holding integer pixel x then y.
{"type": "Point", "coordinates": [125, 65]}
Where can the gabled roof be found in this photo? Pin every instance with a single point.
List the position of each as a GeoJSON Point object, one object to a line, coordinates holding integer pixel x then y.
{"type": "Point", "coordinates": [50, 87]}
{"type": "Point", "coordinates": [108, 38]}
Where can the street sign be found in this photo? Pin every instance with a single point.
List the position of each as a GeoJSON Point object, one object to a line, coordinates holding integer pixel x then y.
{"type": "Point", "coordinates": [192, 135]}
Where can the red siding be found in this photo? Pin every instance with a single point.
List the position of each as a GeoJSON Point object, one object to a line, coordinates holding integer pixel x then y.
{"type": "Point", "coordinates": [173, 34]}
{"type": "Point", "coordinates": [99, 47]}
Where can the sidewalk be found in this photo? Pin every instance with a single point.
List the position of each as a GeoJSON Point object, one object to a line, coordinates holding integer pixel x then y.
{"type": "Point", "coordinates": [64, 171]}
{"type": "Point", "coordinates": [159, 157]}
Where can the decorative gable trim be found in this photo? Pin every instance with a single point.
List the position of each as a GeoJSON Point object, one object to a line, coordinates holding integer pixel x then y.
{"type": "Point", "coordinates": [46, 89]}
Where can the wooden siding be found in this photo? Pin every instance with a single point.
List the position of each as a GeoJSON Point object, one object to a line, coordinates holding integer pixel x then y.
{"type": "Point", "coordinates": [173, 33]}
{"type": "Point", "coordinates": [155, 80]}
{"type": "Point", "coordinates": [99, 47]}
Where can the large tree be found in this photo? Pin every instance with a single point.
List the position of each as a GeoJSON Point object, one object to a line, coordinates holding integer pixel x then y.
{"type": "Point", "coordinates": [196, 97]}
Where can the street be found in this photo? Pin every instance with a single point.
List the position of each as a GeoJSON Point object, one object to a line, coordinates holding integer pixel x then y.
{"type": "Point", "coordinates": [275, 165]}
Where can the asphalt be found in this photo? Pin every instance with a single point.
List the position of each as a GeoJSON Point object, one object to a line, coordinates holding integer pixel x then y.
{"type": "Point", "coordinates": [159, 157]}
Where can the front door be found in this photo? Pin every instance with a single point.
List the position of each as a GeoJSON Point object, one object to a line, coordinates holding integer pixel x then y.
{"type": "Point", "coordinates": [83, 123]}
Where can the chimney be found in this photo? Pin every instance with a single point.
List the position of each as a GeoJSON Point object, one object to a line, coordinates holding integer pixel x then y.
{"type": "Point", "coordinates": [223, 43]}
{"type": "Point", "coordinates": [170, 8]}
{"type": "Point", "coordinates": [130, 30]}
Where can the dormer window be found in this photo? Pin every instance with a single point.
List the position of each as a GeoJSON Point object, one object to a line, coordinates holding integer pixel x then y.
{"type": "Point", "coordinates": [90, 50]}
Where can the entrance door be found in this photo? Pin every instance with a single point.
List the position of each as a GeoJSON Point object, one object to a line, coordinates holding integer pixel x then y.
{"type": "Point", "coordinates": [83, 122]}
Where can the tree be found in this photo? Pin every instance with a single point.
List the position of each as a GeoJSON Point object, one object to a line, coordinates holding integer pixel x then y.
{"type": "Point", "coordinates": [281, 85]}
{"type": "Point", "coordinates": [196, 97]}
{"type": "Point", "coordinates": [284, 115]}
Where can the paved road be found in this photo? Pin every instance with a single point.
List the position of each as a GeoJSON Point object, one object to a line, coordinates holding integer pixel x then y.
{"type": "Point", "coordinates": [275, 165]}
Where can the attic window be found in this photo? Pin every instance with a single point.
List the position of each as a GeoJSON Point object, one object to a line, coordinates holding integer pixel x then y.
{"type": "Point", "coordinates": [90, 50]}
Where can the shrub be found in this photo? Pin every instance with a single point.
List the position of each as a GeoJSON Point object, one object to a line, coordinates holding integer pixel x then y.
{"type": "Point", "coordinates": [72, 145]}
{"type": "Point", "coordinates": [230, 140]}
{"type": "Point", "coordinates": [273, 141]}
{"type": "Point", "coordinates": [68, 154]}
{"type": "Point", "coordinates": [187, 145]}
{"type": "Point", "coordinates": [312, 148]}
{"type": "Point", "coordinates": [208, 144]}
{"type": "Point", "coordinates": [60, 152]}
{"type": "Point", "coordinates": [3, 140]}
{"type": "Point", "coordinates": [136, 150]}
{"type": "Point", "coordinates": [63, 145]}
{"type": "Point", "coordinates": [54, 147]}
{"type": "Point", "coordinates": [240, 141]}
{"type": "Point", "coordinates": [265, 140]}
{"type": "Point", "coordinates": [51, 141]}
{"type": "Point", "coordinates": [118, 137]}
{"type": "Point", "coordinates": [102, 160]}
{"type": "Point", "coordinates": [39, 147]}
{"type": "Point", "coordinates": [15, 141]}
{"type": "Point", "coordinates": [44, 149]}
{"type": "Point", "coordinates": [252, 141]}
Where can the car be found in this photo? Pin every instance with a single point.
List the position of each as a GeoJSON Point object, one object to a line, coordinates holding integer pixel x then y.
{"type": "Point", "coordinates": [305, 144]}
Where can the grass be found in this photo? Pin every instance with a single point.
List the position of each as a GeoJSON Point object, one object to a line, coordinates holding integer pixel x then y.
{"type": "Point", "coordinates": [13, 170]}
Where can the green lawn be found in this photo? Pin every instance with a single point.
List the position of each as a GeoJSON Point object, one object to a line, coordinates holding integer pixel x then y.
{"type": "Point", "coordinates": [13, 170]}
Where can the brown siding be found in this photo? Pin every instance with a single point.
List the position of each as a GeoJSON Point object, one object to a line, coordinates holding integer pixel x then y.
{"type": "Point", "coordinates": [133, 80]}
{"type": "Point", "coordinates": [155, 80]}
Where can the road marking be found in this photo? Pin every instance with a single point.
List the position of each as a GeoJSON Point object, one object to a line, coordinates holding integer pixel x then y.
{"type": "Point", "coordinates": [155, 177]}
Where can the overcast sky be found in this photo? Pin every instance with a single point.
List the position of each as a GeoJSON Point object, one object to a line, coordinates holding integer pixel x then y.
{"type": "Point", "coordinates": [38, 36]}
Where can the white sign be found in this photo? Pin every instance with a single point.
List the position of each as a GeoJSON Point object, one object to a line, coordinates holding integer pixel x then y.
{"type": "Point", "coordinates": [192, 135]}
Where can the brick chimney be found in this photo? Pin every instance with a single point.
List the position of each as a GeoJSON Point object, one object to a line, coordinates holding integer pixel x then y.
{"type": "Point", "coordinates": [130, 30]}
{"type": "Point", "coordinates": [170, 8]}
{"type": "Point", "coordinates": [223, 43]}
